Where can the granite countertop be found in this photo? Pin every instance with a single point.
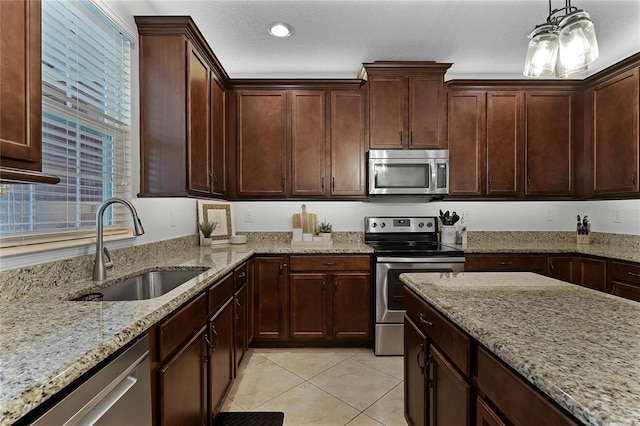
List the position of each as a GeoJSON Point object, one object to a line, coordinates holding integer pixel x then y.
{"type": "Point", "coordinates": [578, 346]}
{"type": "Point", "coordinates": [48, 341]}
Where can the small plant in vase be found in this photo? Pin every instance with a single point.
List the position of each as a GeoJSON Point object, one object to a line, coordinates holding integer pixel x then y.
{"type": "Point", "coordinates": [324, 229]}
{"type": "Point", "coordinates": [207, 228]}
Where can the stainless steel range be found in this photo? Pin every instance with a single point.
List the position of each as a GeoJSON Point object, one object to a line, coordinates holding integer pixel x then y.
{"type": "Point", "coordinates": [403, 244]}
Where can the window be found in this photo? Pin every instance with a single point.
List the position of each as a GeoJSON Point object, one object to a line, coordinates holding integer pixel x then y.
{"type": "Point", "coordinates": [86, 91]}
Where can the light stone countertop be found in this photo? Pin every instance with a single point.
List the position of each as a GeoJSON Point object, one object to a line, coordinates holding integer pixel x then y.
{"type": "Point", "coordinates": [48, 341]}
{"type": "Point", "coordinates": [578, 346]}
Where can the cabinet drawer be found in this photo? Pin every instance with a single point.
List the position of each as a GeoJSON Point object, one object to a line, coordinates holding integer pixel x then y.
{"type": "Point", "coordinates": [181, 325]}
{"type": "Point", "coordinates": [628, 291]}
{"type": "Point", "coordinates": [519, 401]}
{"type": "Point", "coordinates": [625, 272]}
{"type": "Point", "coordinates": [330, 263]}
{"type": "Point", "coordinates": [440, 330]}
{"type": "Point", "coordinates": [240, 276]}
{"type": "Point", "coordinates": [505, 262]}
{"type": "Point", "coordinates": [220, 292]}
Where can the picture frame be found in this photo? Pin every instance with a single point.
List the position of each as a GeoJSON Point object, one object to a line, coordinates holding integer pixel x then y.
{"type": "Point", "coordinates": [219, 212]}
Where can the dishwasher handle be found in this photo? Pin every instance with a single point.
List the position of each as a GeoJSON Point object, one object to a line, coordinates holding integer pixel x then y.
{"type": "Point", "coordinates": [104, 405]}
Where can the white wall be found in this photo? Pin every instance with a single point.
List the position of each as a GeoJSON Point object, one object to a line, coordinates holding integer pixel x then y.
{"type": "Point", "coordinates": [616, 216]}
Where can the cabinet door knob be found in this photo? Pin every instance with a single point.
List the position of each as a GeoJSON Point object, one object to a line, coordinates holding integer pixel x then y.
{"type": "Point", "coordinates": [400, 137]}
{"type": "Point", "coordinates": [418, 358]}
{"type": "Point", "coordinates": [426, 371]}
{"type": "Point", "coordinates": [215, 333]}
{"type": "Point", "coordinates": [633, 177]}
{"type": "Point", "coordinates": [411, 137]}
{"type": "Point", "coordinates": [324, 286]}
{"type": "Point", "coordinates": [323, 184]}
{"type": "Point", "coordinates": [335, 284]}
{"type": "Point", "coordinates": [333, 184]}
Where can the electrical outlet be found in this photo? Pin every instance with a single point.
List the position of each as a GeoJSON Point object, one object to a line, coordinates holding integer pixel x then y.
{"type": "Point", "coordinates": [248, 217]}
{"type": "Point", "coordinates": [549, 216]}
{"type": "Point", "coordinates": [617, 216]}
{"type": "Point", "coordinates": [172, 219]}
{"type": "Point", "coordinates": [466, 216]}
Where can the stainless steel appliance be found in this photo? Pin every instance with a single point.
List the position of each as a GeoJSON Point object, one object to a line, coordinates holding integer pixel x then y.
{"type": "Point", "coordinates": [408, 172]}
{"type": "Point", "coordinates": [118, 394]}
{"type": "Point", "coordinates": [402, 244]}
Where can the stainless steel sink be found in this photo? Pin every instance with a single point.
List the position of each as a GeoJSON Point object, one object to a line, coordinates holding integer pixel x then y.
{"type": "Point", "coordinates": [147, 285]}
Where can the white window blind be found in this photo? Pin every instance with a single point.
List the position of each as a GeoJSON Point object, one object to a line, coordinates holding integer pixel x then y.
{"type": "Point", "coordinates": [86, 91]}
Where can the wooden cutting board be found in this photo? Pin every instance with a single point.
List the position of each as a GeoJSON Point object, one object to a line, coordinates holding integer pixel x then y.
{"type": "Point", "coordinates": [304, 220]}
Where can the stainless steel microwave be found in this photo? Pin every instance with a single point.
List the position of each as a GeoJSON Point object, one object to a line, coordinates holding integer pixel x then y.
{"type": "Point", "coordinates": [408, 172]}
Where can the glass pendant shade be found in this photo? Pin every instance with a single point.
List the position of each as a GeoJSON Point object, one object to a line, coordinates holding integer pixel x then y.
{"type": "Point", "coordinates": [542, 52]}
{"type": "Point", "coordinates": [562, 72]}
{"type": "Point", "coordinates": [577, 40]}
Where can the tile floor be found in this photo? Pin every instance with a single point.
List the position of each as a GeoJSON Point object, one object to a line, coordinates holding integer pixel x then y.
{"type": "Point", "coordinates": [323, 387]}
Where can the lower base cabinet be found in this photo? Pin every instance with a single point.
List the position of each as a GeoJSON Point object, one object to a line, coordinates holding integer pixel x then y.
{"type": "Point", "coordinates": [221, 353]}
{"type": "Point", "coordinates": [625, 280]}
{"type": "Point", "coordinates": [415, 381]}
{"type": "Point", "coordinates": [485, 416]}
{"type": "Point", "coordinates": [584, 271]}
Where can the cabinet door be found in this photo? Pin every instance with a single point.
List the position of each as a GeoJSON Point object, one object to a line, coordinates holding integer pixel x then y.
{"type": "Point", "coordinates": [262, 150]}
{"type": "Point", "coordinates": [270, 298]}
{"type": "Point", "coordinates": [449, 393]}
{"type": "Point", "coordinates": [387, 112]}
{"type": "Point", "coordinates": [241, 321]}
{"type": "Point", "coordinates": [218, 163]}
{"type": "Point", "coordinates": [182, 385]}
{"type": "Point", "coordinates": [504, 143]}
{"type": "Point", "coordinates": [562, 268]}
{"type": "Point", "coordinates": [628, 291]}
{"type": "Point", "coordinates": [615, 134]}
{"type": "Point", "coordinates": [593, 273]}
{"type": "Point", "coordinates": [308, 306]}
{"type": "Point", "coordinates": [415, 384]}
{"type": "Point", "coordinates": [308, 143]}
{"type": "Point", "coordinates": [426, 112]}
{"type": "Point", "coordinates": [352, 299]}
{"type": "Point", "coordinates": [466, 134]}
{"type": "Point", "coordinates": [198, 116]}
{"type": "Point", "coordinates": [20, 85]}
{"type": "Point", "coordinates": [485, 416]}
{"type": "Point", "coordinates": [220, 356]}
{"type": "Point", "coordinates": [549, 143]}
{"type": "Point", "coordinates": [348, 166]}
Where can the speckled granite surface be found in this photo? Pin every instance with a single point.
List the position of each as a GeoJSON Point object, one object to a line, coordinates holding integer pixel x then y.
{"type": "Point", "coordinates": [578, 346]}
{"type": "Point", "coordinates": [48, 341]}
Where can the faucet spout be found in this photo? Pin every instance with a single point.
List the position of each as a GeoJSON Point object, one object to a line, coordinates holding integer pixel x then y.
{"type": "Point", "coordinates": [100, 267]}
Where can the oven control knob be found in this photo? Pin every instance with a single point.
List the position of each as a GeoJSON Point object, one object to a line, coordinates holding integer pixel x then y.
{"type": "Point", "coordinates": [382, 225]}
{"type": "Point", "coordinates": [429, 225]}
{"type": "Point", "coordinates": [421, 225]}
{"type": "Point", "coordinates": [374, 225]}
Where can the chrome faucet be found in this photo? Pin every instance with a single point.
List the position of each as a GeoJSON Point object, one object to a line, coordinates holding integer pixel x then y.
{"type": "Point", "coordinates": [100, 267]}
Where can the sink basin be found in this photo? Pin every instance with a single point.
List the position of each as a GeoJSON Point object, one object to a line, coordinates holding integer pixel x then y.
{"type": "Point", "coordinates": [147, 285]}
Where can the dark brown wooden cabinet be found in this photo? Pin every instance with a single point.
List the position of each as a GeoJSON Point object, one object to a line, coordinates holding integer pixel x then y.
{"type": "Point", "coordinates": [497, 262]}
{"type": "Point", "coordinates": [581, 270]}
{"type": "Point", "coordinates": [21, 93]}
{"type": "Point", "coordinates": [415, 383]}
{"type": "Point", "coordinates": [616, 142]}
{"type": "Point", "coordinates": [563, 268]}
{"type": "Point", "coordinates": [624, 280]}
{"type": "Point", "coordinates": [466, 138]}
{"type": "Point", "coordinates": [181, 127]}
{"type": "Point", "coordinates": [270, 298]}
{"type": "Point", "coordinates": [261, 143]}
{"type": "Point", "coordinates": [241, 313]}
{"type": "Point", "coordinates": [486, 416]}
{"type": "Point", "coordinates": [221, 356]}
{"type": "Point", "coordinates": [347, 143]}
{"type": "Point", "coordinates": [406, 104]}
{"type": "Point", "coordinates": [504, 143]}
{"type": "Point", "coordinates": [330, 298]}
{"type": "Point", "coordinates": [449, 392]}
{"type": "Point", "coordinates": [548, 140]}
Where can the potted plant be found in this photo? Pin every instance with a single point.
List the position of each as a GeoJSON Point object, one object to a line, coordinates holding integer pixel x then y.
{"type": "Point", "coordinates": [206, 228]}
{"type": "Point", "coordinates": [324, 229]}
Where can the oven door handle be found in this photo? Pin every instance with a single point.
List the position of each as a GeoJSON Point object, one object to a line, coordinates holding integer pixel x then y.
{"type": "Point", "coordinates": [420, 259]}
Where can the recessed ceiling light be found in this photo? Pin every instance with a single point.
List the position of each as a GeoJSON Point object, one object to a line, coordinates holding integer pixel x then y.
{"type": "Point", "coordinates": [280, 30]}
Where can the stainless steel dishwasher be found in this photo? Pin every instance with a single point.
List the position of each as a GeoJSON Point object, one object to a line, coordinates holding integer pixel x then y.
{"type": "Point", "coordinates": [118, 394]}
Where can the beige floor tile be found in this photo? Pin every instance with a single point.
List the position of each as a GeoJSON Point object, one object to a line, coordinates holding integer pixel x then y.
{"type": "Point", "coordinates": [309, 363]}
{"type": "Point", "coordinates": [364, 420]}
{"type": "Point", "coordinates": [392, 365]}
{"type": "Point", "coordinates": [355, 383]}
{"type": "Point", "coordinates": [389, 410]}
{"type": "Point", "coordinates": [307, 405]}
{"type": "Point", "coordinates": [260, 381]}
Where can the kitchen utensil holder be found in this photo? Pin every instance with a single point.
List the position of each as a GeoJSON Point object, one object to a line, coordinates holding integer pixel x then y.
{"type": "Point", "coordinates": [448, 234]}
{"type": "Point", "coordinates": [585, 238]}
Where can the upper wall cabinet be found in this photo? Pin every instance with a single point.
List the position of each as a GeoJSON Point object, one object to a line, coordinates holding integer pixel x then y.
{"type": "Point", "coordinates": [615, 134]}
{"type": "Point", "coordinates": [21, 93]}
{"type": "Point", "coordinates": [298, 143]}
{"type": "Point", "coordinates": [406, 104]}
{"type": "Point", "coordinates": [181, 110]}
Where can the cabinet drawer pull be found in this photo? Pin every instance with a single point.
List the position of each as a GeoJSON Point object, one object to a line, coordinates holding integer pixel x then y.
{"type": "Point", "coordinates": [215, 333]}
{"type": "Point", "coordinates": [242, 274]}
{"type": "Point", "coordinates": [324, 286]}
{"type": "Point", "coordinates": [411, 138]}
{"type": "Point", "coordinates": [335, 284]}
{"type": "Point", "coordinates": [613, 290]}
{"type": "Point", "coordinates": [421, 367]}
{"type": "Point", "coordinates": [633, 274]}
{"type": "Point", "coordinates": [400, 137]}
{"type": "Point", "coordinates": [322, 184]}
{"type": "Point", "coordinates": [208, 343]}
{"type": "Point", "coordinates": [504, 263]}
{"type": "Point", "coordinates": [330, 263]}
{"type": "Point", "coordinates": [333, 184]}
{"type": "Point", "coordinates": [633, 177]}
{"type": "Point", "coordinates": [425, 321]}
{"type": "Point", "coordinates": [426, 371]}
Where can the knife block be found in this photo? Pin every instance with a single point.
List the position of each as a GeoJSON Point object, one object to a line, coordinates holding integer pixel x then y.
{"type": "Point", "coordinates": [585, 238]}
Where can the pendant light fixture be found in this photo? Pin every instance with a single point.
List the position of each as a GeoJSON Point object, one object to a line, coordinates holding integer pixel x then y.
{"type": "Point", "coordinates": [565, 44]}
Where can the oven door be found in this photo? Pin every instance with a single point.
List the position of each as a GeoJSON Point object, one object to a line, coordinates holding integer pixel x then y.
{"type": "Point", "coordinates": [389, 289]}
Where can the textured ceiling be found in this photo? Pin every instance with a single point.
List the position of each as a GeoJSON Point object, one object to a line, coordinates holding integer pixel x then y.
{"type": "Point", "coordinates": [483, 39]}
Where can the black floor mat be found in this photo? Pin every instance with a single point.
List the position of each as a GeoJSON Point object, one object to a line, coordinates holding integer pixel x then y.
{"type": "Point", "coordinates": [257, 418]}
